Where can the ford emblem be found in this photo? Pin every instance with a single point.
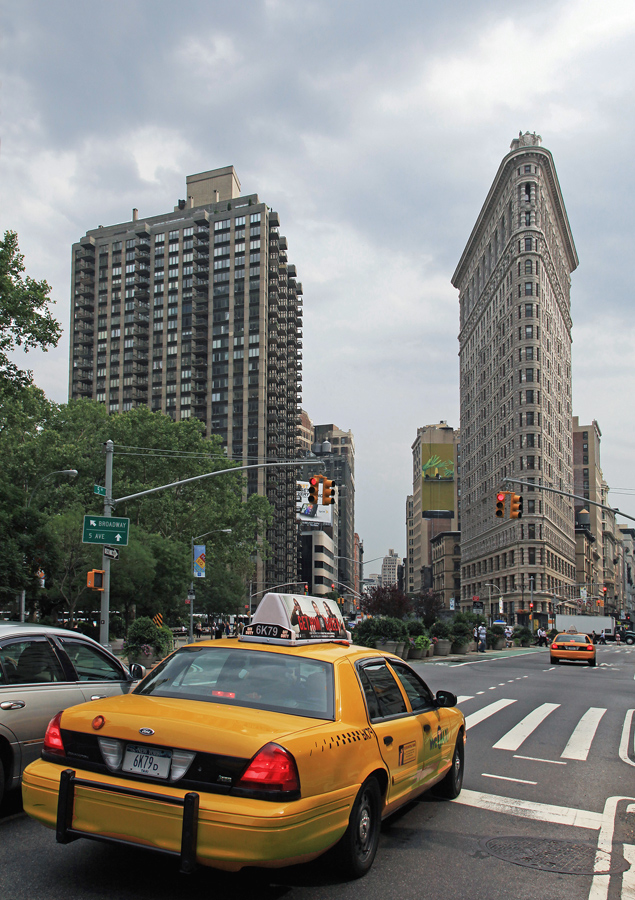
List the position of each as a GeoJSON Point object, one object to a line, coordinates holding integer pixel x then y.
{"type": "Point", "coordinates": [146, 731]}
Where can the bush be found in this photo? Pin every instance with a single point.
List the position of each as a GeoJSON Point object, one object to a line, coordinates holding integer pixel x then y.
{"type": "Point", "coordinates": [145, 638]}
{"type": "Point", "coordinates": [442, 631]}
{"type": "Point", "coordinates": [117, 627]}
{"type": "Point", "coordinates": [523, 633]}
{"type": "Point", "coordinates": [370, 632]}
{"type": "Point", "coordinates": [416, 627]}
{"type": "Point", "coordinates": [498, 630]}
{"type": "Point", "coordinates": [422, 642]}
{"type": "Point", "coordinates": [462, 634]}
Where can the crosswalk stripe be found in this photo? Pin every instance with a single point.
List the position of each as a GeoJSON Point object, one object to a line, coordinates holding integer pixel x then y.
{"type": "Point", "coordinates": [481, 714]}
{"type": "Point", "coordinates": [580, 741]}
{"type": "Point", "coordinates": [463, 698]}
{"type": "Point", "coordinates": [519, 733]}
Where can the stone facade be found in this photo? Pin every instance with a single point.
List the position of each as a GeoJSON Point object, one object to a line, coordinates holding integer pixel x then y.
{"type": "Point", "coordinates": [513, 280]}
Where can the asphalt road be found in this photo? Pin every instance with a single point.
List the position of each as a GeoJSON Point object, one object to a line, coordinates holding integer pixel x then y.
{"type": "Point", "coordinates": [549, 771]}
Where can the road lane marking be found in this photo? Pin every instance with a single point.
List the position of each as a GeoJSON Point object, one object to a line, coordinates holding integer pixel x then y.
{"type": "Point", "coordinates": [501, 684]}
{"type": "Point", "coordinates": [463, 698]}
{"type": "Point", "coordinates": [628, 878]}
{"type": "Point", "coordinates": [504, 778]}
{"type": "Point", "coordinates": [480, 692]}
{"type": "Point", "coordinates": [519, 733]}
{"type": "Point", "coordinates": [600, 884]}
{"type": "Point", "coordinates": [580, 741]}
{"type": "Point", "coordinates": [554, 762]}
{"type": "Point", "coordinates": [539, 812]}
{"type": "Point", "coordinates": [493, 688]}
{"type": "Point", "coordinates": [481, 714]}
{"type": "Point", "coordinates": [626, 738]}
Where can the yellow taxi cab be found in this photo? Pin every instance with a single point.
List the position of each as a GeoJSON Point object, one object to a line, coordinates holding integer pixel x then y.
{"type": "Point", "coordinates": [570, 645]}
{"type": "Point", "coordinates": [263, 750]}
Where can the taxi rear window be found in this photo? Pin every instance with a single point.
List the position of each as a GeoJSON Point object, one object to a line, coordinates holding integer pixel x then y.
{"type": "Point", "coordinates": [571, 639]}
{"type": "Point", "coordinates": [251, 678]}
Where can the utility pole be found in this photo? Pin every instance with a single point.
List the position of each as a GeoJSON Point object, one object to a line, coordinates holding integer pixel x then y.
{"type": "Point", "coordinates": [104, 619]}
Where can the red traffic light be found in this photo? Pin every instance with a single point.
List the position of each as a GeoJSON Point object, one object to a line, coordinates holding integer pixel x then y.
{"type": "Point", "coordinates": [314, 480]}
{"type": "Point", "coordinates": [500, 497]}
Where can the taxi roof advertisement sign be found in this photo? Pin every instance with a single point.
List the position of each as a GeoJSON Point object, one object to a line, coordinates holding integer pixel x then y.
{"type": "Point", "coordinates": [311, 513]}
{"type": "Point", "coordinates": [295, 618]}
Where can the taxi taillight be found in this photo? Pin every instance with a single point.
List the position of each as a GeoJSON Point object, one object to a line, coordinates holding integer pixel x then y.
{"type": "Point", "coordinates": [53, 738]}
{"type": "Point", "coordinates": [589, 646]}
{"type": "Point", "coordinates": [272, 769]}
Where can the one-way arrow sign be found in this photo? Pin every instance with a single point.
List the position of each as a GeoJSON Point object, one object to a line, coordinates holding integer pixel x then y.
{"type": "Point", "coordinates": [111, 552]}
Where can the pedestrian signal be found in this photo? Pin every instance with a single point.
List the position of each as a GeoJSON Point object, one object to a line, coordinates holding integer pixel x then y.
{"type": "Point", "coordinates": [500, 504]}
{"type": "Point", "coordinates": [314, 488]}
{"type": "Point", "coordinates": [328, 492]}
{"type": "Point", "coordinates": [95, 579]}
{"type": "Point", "coordinates": [515, 506]}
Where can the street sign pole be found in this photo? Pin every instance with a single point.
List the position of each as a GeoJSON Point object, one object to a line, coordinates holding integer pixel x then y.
{"type": "Point", "coordinates": [104, 624]}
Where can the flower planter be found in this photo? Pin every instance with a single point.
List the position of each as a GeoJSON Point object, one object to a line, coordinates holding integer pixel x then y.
{"type": "Point", "coordinates": [499, 644]}
{"type": "Point", "coordinates": [417, 654]}
{"type": "Point", "coordinates": [405, 650]}
{"type": "Point", "coordinates": [442, 647]}
{"type": "Point", "coordinates": [388, 646]}
{"type": "Point", "coordinates": [143, 660]}
{"type": "Point", "coordinates": [459, 648]}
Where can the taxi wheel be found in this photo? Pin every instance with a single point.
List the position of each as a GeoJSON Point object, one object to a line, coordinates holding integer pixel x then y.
{"type": "Point", "coordinates": [591, 662]}
{"type": "Point", "coordinates": [358, 846]}
{"type": "Point", "coordinates": [451, 785]}
{"type": "Point", "coordinates": [554, 662]}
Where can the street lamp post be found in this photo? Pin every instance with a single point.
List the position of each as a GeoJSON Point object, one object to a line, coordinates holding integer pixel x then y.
{"type": "Point", "coordinates": [496, 587]}
{"type": "Point", "coordinates": [267, 589]}
{"type": "Point", "coordinates": [191, 594]}
{"type": "Point", "coordinates": [72, 473]}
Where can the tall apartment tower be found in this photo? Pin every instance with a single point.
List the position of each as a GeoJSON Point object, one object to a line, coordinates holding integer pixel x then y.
{"type": "Point", "coordinates": [435, 498]}
{"type": "Point", "coordinates": [339, 465]}
{"type": "Point", "coordinates": [515, 368]}
{"type": "Point", "coordinates": [197, 312]}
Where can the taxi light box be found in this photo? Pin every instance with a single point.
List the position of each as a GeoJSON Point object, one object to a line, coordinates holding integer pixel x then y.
{"type": "Point", "coordinates": [296, 619]}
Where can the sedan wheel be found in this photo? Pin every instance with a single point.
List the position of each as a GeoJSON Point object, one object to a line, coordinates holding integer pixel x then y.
{"type": "Point", "coordinates": [554, 662]}
{"type": "Point", "coordinates": [629, 640]}
{"type": "Point", "coordinates": [358, 846]}
{"type": "Point", "coordinates": [451, 785]}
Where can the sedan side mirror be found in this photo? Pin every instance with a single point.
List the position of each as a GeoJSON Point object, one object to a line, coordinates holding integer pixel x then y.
{"type": "Point", "coordinates": [137, 672]}
{"type": "Point", "coordinates": [445, 698]}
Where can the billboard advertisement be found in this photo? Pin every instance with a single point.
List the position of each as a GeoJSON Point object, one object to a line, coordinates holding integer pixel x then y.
{"type": "Point", "coordinates": [311, 513]}
{"type": "Point", "coordinates": [291, 617]}
{"type": "Point", "coordinates": [437, 478]}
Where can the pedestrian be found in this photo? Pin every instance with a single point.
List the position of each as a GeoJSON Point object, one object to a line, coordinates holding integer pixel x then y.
{"type": "Point", "coordinates": [482, 638]}
{"type": "Point", "coordinates": [602, 638]}
{"type": "Point", "coordinates": [475, 632]}
{"type": "Point", "coordinates": [197, 629]}
{"type": "Point", "coordinates": [542, 637]}
{"type": "Point", "coordinates": [595, 636]}
{"type": "Point", "coordinates": [508, 635]}
{"type": "Point", "coordinates": [618, 637]}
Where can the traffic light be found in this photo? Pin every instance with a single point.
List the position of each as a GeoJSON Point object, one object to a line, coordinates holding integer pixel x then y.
{"type": "Point", "coordinates": [515, 506]}
{"type": "Point", "coordinates": [95, 579]}
{"type": "Point", "coordinates": [306, 588]}
{"type": "Point", "coordinates": [328, 492]}
{"type": "Point", "coordinates": [501, 497]}
{"type": "Point", "coordinates": [314, 488]}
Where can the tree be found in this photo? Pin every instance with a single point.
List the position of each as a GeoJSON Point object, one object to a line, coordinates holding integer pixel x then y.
{"type": "Point", "coordinates": [427, 605]}
{"type": "Point", "coordinates": [25, 317]}
{"type": "Point", "coordinates": [385, 601]}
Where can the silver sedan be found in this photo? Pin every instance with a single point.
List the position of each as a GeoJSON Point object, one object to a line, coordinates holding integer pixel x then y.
{"type": "Point", "coordinates": [42, 671]}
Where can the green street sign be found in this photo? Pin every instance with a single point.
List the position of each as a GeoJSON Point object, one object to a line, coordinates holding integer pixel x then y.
{"type": "Point", "coordinates": [100, 490]}
{"type": "Point", "coordinates": [106, 530]}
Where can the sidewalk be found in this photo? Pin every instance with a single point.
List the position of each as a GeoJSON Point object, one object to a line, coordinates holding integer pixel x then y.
{"type": "Point", "coordinates": [474, 656]}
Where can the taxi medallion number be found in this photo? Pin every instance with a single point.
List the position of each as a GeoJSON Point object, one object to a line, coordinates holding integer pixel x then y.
{"type": "Point", "coordinates": [142, 760]}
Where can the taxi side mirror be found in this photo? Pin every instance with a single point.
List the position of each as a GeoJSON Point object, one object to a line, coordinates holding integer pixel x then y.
{"type": "Point", "coordinates": [445, 698]}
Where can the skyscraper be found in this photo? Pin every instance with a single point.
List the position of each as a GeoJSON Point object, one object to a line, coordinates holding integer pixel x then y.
{"type": "Point", "coordinates": [197, 312]}
{"type": "Point", "coordinates": [513, 280]}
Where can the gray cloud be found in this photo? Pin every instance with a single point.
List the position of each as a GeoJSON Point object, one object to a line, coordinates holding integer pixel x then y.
{"type": "Point", "coordinates": [375, 131]}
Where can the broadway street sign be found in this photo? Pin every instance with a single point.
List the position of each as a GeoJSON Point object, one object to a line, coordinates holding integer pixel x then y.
{"type": "Point", "coordinates": [105, 530]}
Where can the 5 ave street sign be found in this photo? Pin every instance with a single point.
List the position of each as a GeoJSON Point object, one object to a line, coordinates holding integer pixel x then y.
{"type": "Point", "coordinates": [105, 530]}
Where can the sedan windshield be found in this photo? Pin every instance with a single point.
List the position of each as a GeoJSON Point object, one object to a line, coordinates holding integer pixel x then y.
{"type": "Point", "coordinates": [251, 678]}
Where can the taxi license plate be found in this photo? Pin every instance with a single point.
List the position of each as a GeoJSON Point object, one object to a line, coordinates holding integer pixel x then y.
{"type": "Point", "coordinates": [142, 760]}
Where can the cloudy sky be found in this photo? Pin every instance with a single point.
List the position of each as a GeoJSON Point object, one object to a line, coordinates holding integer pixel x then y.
{"type": "Point", "coordinates": [375, 130]}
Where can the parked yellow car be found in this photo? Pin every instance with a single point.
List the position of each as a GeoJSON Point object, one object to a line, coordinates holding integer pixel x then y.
{"type": "Point", "coordinates": [265, 750]}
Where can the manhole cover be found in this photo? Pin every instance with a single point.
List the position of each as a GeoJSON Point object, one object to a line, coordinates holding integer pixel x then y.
{"type": "Point", "coordinates": [561, 857]}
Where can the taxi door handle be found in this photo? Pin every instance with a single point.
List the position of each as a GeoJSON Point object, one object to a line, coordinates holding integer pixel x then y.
{"type": "Point", "coordinates": [98, 697]}
{"type": "Point", "coordinates": [388, 740]}
{"type": "Point", "coordinates": [12, 704]}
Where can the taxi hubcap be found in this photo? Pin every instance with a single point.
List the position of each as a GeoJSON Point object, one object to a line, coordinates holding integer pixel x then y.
{"type": "Point", "coordinates": [364, 826]}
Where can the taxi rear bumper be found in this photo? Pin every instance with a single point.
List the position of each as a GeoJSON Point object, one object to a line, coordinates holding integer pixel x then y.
{"type": "Point", "coordinates": [573, 654]}
{"type": "Point", "coordinates": [223, 832]}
